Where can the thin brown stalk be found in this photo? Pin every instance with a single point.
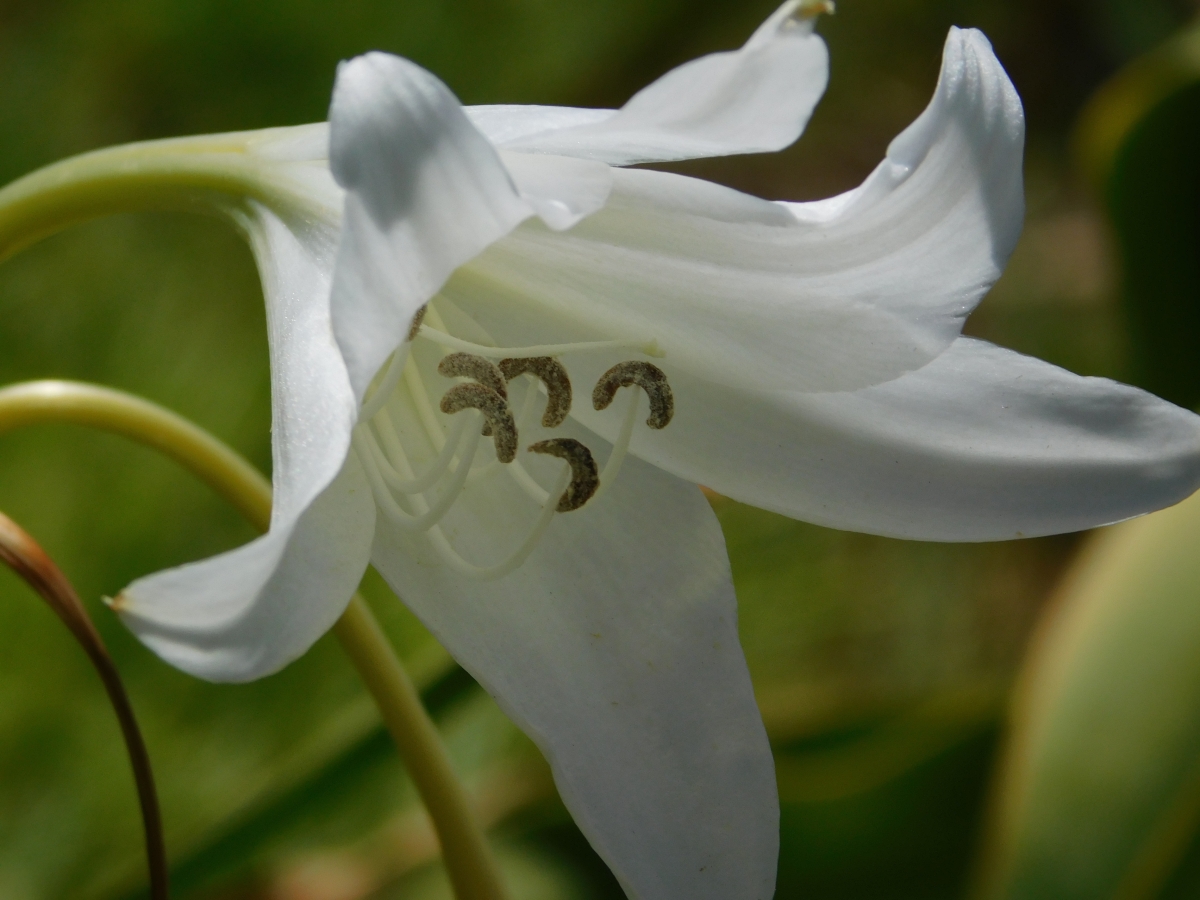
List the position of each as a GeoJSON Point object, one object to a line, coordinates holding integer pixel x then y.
{"type": "Point", "coordinates": [23, 554]}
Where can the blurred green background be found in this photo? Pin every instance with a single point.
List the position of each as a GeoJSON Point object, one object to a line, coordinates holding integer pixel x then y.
{"type": "Point", "coordinates": [882, 667]}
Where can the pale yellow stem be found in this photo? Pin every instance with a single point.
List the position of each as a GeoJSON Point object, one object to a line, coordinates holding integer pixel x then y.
{"type": "Point", "coordinates": [464, 846]}
{"type": "Point", "coordinates": [208, 174]}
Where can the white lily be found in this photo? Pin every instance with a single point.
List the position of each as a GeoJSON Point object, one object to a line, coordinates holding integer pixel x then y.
{"type": "Point", "coordinates": [811, 353]}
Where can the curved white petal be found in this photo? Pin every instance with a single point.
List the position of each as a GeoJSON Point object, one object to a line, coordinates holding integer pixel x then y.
{"type": "Point", "coordinates": [561, 190]}
{"type": "Point", "coordinates": [753, 100]}
{"type": "Point", "coordinates": [764, 295]}
{"type": "Point", "coordinates": [615, 647]}
{"type": "Point", "coordinates": [248, 612]}
{"type": "Point", "coordinates": [505, 123]}
{"type": "Point", "coordinates": [981, 444]}
{"type": "Point", "coordinates": [425, 193]}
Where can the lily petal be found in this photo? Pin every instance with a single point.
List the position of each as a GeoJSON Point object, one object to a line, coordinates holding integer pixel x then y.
{"type": "Point", "coordinates": [615, 648]}
{"type": "Point", "coordinates": [425, 193]}
{"type": "Point", "coordinates": [561, 190]}
{"type": "Point", "coordinates": [982, 444]}
{"type": "Point", "coordinates": [251, 611]}
{"type": "Point", "coordinates": [826, 297]}
{"type": "Point", "coordinates": [753, 100]}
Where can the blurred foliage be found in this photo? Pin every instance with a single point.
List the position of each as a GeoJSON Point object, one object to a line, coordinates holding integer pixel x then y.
{"type": "Point", "coordinates": [1138, 142]}
{"type": "Point", "coordinates": [1099, 791]}
{"type": "Point", "coordinates": [1101, 785]}
{"type": "Point", "coordinates": [881, 666]}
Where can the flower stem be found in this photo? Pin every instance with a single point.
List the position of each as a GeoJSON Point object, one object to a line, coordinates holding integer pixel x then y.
{"type": "Point", "coordinates": [25, 557]}
{"type": "Point", "coordinates": [207, 174]}
{"type": "Point", "coordinates": [473, 873]}
{"type": "Point", "coordinates": [464, 846]}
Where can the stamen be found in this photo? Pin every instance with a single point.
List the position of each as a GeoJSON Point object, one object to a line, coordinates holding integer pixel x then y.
{"type": "Point", "coordinates": [391, 378]}
{"type": "Point", "coordinates": [650, 378]}
{"type": "Point", "coordinates": [584, 479]}
{"type": "Point", "coordinates": [416, 323]}
{"type": "Point", "coordinates": [612, 466]}
{"type": "Point", "coordinates": [650, 348]}
{"type": "Point", "coordinates": [553, 375]}
{"type": "Point", "coordinates": [487, 573]}
{"type": "Point", "coordinates": [524, 417]}
{"type": "Point", "coordinates": [384, 499]}
{"type": "Point", "coordinates": [390, 454]}
{"type": "Point", "coordinates": [420, 398]}
{"type": "Point", "coordinates": [467, 365]}
{"type": "Point", "coordinates": [494, 407]}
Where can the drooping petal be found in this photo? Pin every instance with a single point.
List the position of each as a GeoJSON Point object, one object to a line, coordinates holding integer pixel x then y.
{"type": "Point", "coordinates": [425, 193]}
{"type": "Point", "coordinates": [249, 612]}
{"type": "Point", "coordinates": [982, 444]}
{"type": "Point", "coordinates": [615, 647]}
{"type": "Point", "coordinates": [835, 296]}
{"type": "Point", "coordinates": [753, 100]}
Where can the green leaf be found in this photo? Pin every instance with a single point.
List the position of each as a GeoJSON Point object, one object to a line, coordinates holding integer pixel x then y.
{"type": "Point", "coordinates": [1138, 142]}
{"type": "Point", "coordinates": [1100, 789]}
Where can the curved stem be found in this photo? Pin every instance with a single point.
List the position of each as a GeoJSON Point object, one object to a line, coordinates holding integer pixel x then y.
{"type": "Point", "coordinates": [219, 467]}
{"type": "Point", "coordinates": [207, 174]}
{"type": "Point", "coordinates": [24, 556]}
{"type": "Point", "coordinates": [464, 846]}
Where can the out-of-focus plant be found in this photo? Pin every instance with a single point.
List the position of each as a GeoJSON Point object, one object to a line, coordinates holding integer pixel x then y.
{"type": "Point", "coordinates": [1137, 144]}
{"type": "Point", "coordinates": [843, 743]}
{"type": "Point", "coordinates": [1099, 791]}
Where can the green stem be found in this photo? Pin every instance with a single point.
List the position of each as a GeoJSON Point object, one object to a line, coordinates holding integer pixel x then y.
{"type": "Point", "coordinates": [464, 846]}
{"type": "Point", "coordinates": [473, 872]}
{"type": "Point", "coordinates": [208, 174]}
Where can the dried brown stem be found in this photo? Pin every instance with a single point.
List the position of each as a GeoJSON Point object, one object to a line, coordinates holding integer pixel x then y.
{"type": "Point", "coordinates": [23, 554]}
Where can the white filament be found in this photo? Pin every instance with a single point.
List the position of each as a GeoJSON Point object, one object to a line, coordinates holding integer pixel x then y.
{"type": "Point", "coordinates": [621, 446]}
{"type": "Point", "coordinates": [392, 450]}
{"type": "Point", "coordinates": [369, 454]}
{"type": "Point", "coordinates": [649, 348]}
{"type": "Point", "coordinates": [391, 378]}
{"type": "Point", "coordinates": [487, 573]}
{"type": "Point", "coordinates": [416, 388]}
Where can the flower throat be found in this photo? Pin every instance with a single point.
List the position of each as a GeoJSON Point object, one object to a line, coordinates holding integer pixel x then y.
{"type": "Point", "coordinates": [478, 408]}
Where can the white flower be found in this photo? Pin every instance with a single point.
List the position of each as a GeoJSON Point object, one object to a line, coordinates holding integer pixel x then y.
{"type": "Point", "coordinates": [811, 350]}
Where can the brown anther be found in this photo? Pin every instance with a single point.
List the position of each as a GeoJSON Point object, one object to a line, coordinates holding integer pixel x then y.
{"type": "Point", "coordinates": [650, 378]}
{"type": "Point", "coordinates": [468, 365]}
{"type": "Point", "coordinates": [585, 479]}
{"type": "Point", "coordinates": [553, 375]}
{"type": "Point", "coordinates": [416, 323]}
{"type": "Point", "coordinates": [494, 407]}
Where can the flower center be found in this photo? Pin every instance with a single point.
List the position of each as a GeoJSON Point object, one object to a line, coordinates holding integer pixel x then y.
{"type": "Point", "coordinates": [476, 408]}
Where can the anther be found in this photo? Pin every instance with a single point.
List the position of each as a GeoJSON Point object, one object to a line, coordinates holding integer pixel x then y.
{"type": "Point", "coordinates": [584, 477]}
{"type": "Point", "coordinates": [494, 407]}
{"type": "Point", "coordinates": [650, 378]}
{"type": "Point", "coordinates": [467, 365]}
{"type": "Point", "coordinates": [553, 375]}
{"type": "Point", "coordinates": [415, 327]}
